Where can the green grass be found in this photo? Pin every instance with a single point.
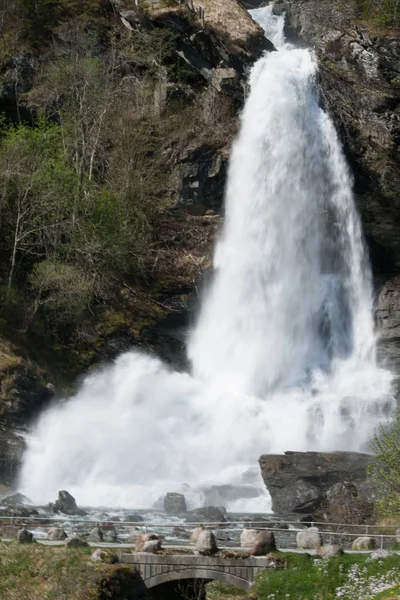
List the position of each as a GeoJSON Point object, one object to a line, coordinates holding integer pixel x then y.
{"type": "Point", "coordinates": [308, 579]}
{"type": "Point", "coordinates": [36, 572]}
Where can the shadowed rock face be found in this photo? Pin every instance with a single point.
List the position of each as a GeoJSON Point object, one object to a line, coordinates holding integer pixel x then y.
{"type": "Point", "coordinates": [299, 482]}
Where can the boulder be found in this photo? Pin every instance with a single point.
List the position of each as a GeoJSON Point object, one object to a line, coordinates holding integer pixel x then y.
{"type": "Point", "coordinates": [141, 540]}
{"type": "Point", "coordinates": [364, 543]}
{"type": "Point", "coordinates": [264, 542]}
{"type": "Point", "coordinates": [56, 534]}
{"type": "Point", "coordinates": [152, 546]}
{"type": "Point", "coordinates": [206, 544]}
{"type": "Point", "coordinates": [329, 551]}
{"type": "Point", "coordinates": [76, 542]}
{"type": "Point", "coordinates": [15, 500]}
{"type": "Point", "coordinates": [101, 555]}
{"type": "Point", "coordinates": [247, 538]}
{"type": "Point", "coordinates": [174, 503]}
{"type": "Point", "coordinates": [196, 534]}
{"type": "Point", "coordinates": [215, 514]}
{"type": "Point", "coordinates": [95, 535]}
{"type": "Point", "coordinates": [66, 504]}
{"type": "Point", "coordinates": [300, 482]}
{"type": "Point", "coordinates": [110, 534]}
{"type": "Point", "coordinates": [24, 536]}
{"type": "Point", "coordinates": [309, 539]}
{"type": "Point", "coordinates": [133, 519]}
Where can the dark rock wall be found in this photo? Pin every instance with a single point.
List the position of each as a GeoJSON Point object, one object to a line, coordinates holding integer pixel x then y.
{"type": "Point", "coordinates": [300, 482]}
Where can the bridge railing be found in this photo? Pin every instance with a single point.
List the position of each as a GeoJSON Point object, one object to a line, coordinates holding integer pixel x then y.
{"type": "Point", "coordinates": [285, 531]}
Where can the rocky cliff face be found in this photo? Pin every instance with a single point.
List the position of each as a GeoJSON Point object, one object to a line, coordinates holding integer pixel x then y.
{"type": "Point", "coordinates": [301, 482]}
{"type": "Point", "coordinates": [359, 72]}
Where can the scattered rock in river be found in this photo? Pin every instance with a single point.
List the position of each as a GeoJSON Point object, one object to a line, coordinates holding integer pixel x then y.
{"type": "Point", "coordinates": [215, 514]}
{"type": "Point", "coordinates": [174, 503]}
{"type": "Point", "coordinates": [24, 536]}
{"type": "Point", "coordinates": [16, 500]}
{"type": "Point", "coordinates": [95, 535]}
{"type": "Point", "coordinates": [133, 519]}
{"type": "Point", "coordinates": [56, 534]}
{"type": "Point", "coordinates": [66, 504]}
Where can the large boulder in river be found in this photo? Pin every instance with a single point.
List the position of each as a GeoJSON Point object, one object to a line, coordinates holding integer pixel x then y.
{"type": "Point", "coordinates": [66, 504]}
{"type": "Point", "coordinates": [300, 482]}
{"type": "Point", "coordinates": [215, 514]}
{"type": "Point", "coordinates": [174, 503]}
{"type": "Point", "coordinates": [16, 500]}
{"type": "Point", "coordinates": [56, 534]}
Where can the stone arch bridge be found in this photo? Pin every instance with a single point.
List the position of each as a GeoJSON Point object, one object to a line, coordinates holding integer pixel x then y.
{"type": "Point", "coordinates": [161, 570]}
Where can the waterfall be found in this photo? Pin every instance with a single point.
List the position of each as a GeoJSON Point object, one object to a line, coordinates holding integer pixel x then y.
{"type": "Point", "coordinates": [283, 352]}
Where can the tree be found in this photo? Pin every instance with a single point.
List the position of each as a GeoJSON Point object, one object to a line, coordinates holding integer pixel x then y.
{"type": "Point", "coordinates": [35, 184]}
{"type": "Point", "coordinates": [384, 467]}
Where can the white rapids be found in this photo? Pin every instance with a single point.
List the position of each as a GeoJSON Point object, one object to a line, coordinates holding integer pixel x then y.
{"type": "Point", "coordinates": [283, 353]}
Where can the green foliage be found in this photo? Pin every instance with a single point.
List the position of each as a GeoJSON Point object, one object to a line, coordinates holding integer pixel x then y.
{"type": "Point", "coordinates": [384, 467]}
{"type": "Point", "coordinates": [383, 12]}
{"type": "Point", "coordinates": [310, 579]}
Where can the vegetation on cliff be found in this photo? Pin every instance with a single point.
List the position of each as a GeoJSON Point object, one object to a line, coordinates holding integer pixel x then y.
{"type": "Point", "coordinates": [97, 113]}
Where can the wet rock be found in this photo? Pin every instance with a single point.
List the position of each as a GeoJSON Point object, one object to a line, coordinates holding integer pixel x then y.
{"type": "Point", "coordinates": [76, 542]}
{"type": "Point", "coordinates": [309, 539]}
{"type": "Point", "coordinates": [215, 514]}
{"type": "Point", "coordinates": [16, 500]}
{"type": "Point", "coordinates": [24, 536]}
{"type": "Point", "coordinates": [300, 482]}
{"type": "Point", "coordinates": [110, 534]}
{"type": "Point", "coordinates": [174, 503]}
{"type": "Point", "coordinates": [66, 504]}
{"type": "Point", "coordinates": [95, 535]}
{"type": "Point", "coordinates": [56, 534]}
{"type": "Point", "coordinates": [206, 544]}
{"type": "Point", "coordinates": [133, 518]}
{"type": "Point", "coordinates": [264, 542]}
{"type": "Point", "coordinates": [329, 551]}
{"type": "Point", "coordinates": [364, 543]}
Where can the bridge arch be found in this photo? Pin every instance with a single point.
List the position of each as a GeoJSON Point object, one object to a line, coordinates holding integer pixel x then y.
{"type": "Point", "coordinates": [199, 573]}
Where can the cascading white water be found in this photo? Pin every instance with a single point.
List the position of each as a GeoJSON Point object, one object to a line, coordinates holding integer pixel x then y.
{"type": "Point", "coordinates": [283, 353]}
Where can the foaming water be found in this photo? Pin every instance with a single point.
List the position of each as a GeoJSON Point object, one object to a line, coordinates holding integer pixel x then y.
{"type": "Point", "coordinates": [283, 354]}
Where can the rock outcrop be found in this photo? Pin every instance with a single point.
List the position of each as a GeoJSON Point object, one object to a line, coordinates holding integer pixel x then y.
{"type": "Point", "coordinates": [301, 482]}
